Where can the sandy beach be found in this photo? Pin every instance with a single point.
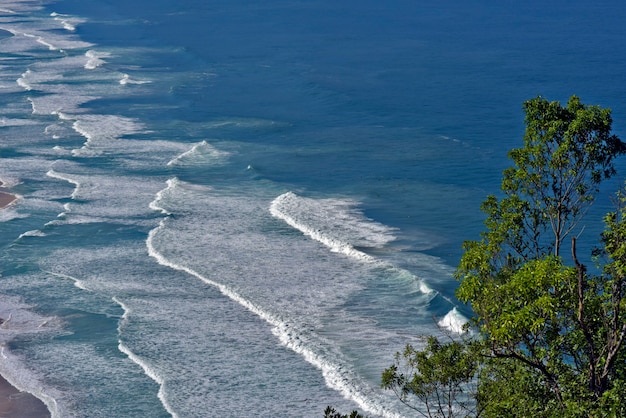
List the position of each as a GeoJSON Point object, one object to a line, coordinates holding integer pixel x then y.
{"type": "Point", "coordinates": [6, 199]}
{"type": "Point", "coordinates": [13, 403]}
{"type": "Point", "coordinates": [16, 404]}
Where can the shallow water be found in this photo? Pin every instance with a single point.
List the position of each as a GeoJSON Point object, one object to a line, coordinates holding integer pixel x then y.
{"type": "Point", "coordinates": [240, 209]}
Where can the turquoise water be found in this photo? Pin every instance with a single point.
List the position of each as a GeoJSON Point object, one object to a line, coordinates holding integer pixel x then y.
{"type": "Point", "coordinates": [236, 208]}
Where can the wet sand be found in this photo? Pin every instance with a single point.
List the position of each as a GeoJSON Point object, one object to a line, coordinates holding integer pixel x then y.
{"type": "Point", "coordinates": [13, 403]}
{"type": "Point", "coordinates": [6, 199]}
{"type": "Point", "coordinates": [16, 404]}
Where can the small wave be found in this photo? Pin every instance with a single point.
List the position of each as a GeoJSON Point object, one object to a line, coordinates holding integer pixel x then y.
{"type": "Point", "coordinates": [77, 282]}
{"type": "Point", "coordinates": [56, 175]}
{"type": "Point", "coordinates": [99, 130]}
{"type": "Point", "coordinates": [338, 225]}
{"type": "Point", "coordinates": [22, 81]}
{"type": "Point", "coordinates": [42, 41]}
{"type": "Point", "coordinates": [156, 203]}
{"type": "Point", "coordinates": [51, 41]}
{"type": "Point", "coordinates": [333, 222]}
{"type": "Point", "coordinates": [33, 233]}
{"type": "Point", "coordinates": [151, 373]}
{"type": "Point", "coordinates": [127, 80]}
{"type": "Point", "coordinates": [95, 59]}
{"type": "Point", "coordinates": [454, 321]}
{"type": "Point", "coordinates": [69, 22]}
{"type": "Point", "coordinates": [336, 376]}
{"type": "Point", "coordinates": [200, 153]}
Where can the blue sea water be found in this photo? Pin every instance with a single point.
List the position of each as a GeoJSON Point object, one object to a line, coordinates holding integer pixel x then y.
{"type": "Point", "coordinates": [240, 208]}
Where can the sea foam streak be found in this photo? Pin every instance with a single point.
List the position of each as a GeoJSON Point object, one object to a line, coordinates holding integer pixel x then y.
{"type": "Point", "coordinates": [69, 22]}
{"type": "Point", "coordinates": [154, 375]}
{"type": "Point", "coordinates": [336, 224]}
{"type": "Point", "coordinates": [292, 335]}
{"type": "Point", "coordinates": [125, 80]}
{"type": "Point", "coordinates": [335, 376]}
{"type": "Point", "coordinates": [200, 153]}
{"type": "Point", "coordinates": [95, 59]}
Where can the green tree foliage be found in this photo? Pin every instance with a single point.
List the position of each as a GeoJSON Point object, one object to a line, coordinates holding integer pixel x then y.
{"type": "Point", "coordinates": [549, 335]}
{"type": "Point", "coordinates": [330, 412]}
{"type": "Point", "coordinates": [566, 153]}
{"type": "Point", "coordinates": [439, 377]}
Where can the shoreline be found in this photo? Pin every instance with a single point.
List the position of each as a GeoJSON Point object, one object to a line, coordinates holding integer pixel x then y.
{"type": "Point", "coordinates": [6, 199]}
{"type": "Point", "coordinates": [17, 404]}
{"type": "Point", "coordinates": [13, 402]}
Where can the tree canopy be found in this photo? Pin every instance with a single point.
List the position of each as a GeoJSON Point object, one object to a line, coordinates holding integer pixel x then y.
{"type": "Point", "coordinates": [548, 335]}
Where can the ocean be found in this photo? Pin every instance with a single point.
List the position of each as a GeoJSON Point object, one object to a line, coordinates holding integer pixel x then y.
{"type": "Point", "coordinates": [245, 208]}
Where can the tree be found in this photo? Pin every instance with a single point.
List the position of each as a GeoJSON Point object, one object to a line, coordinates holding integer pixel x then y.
{"type": "Point", "coordinates": [566, 153]}
{"type": "Point", "coordinates": [441, 377]}
{"type": "Point", "coordinates": [330, 412]}
{"type": "Point", "coordinates": [550, 336]}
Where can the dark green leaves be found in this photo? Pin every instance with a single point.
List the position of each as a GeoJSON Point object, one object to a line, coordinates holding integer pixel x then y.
{"type": "Point", "coordinates": [550, 337]}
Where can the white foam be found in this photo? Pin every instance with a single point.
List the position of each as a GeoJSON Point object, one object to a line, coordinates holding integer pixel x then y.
{"type": "Point", "coordinates": [336, 376]}
{"type": "Point", "coordinates": [151, 373]}
{"type": "Point", "coordinates": [68, 22]}
{"type": "Point", "coordinates": [200, 154]}
{"type": "Point", "coordinates": [52, 42]}
{"type": "Point", "coordinates": [23, 82]}
{"type": "Point", "coordinates": [333, 222]}
{"type": "Point", "coordinates": [101, 131]}
{"type": "Point", "coordinates": [127, 80]}
{"type": "Point", "coordinates": [156, 203]}
{"type": "Point", "coordinates": [30, 80]}
{"type": "Point", "coordinates": [317, 220]}
{"type": "Point", "coordinates": [32, 233]}
{"type": "Point", "coordinates": [19, 320]}
{"type": "Point", "coordinates": [76, 183]}
{"type": "Point", "coordinates": [77, 282]}
{"type": "Point", "coordinates": [339, 218]}
{"type": "Point", "coordinates": [95, 59]}
{"type": "Point", "coordinates": [23, 379]}
{"type": "Point", "coordinates": [16, 122]}
{"type": "Point", "coordinates": [9, 182]}
{"type": "Point", "coordinates": [42, 41]}
{"type": "Point", "coordinates": [454, 321]}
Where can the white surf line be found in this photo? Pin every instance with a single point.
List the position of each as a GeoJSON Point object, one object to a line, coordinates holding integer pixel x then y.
{"type": "Point", "coordinates": [23, 83]}
{"type": "Point", "coordinates": [335, 245]}
{"type": "Point", "coordinates": [191, 151]}
{"type": "Point", "coordinates": [48, 400]}
{"type": "Point", "coordinates": [55, 175]}
{"type": "Point", "coordinates": [77, 282]}
{"type": "Point", "coordinates": [43, 42]}
{"type": "Point", "coordinates": [152, 374]}
{"type": "Point", "coordinates": [333, 374]}
{"type": "Point", "coordinates": [453, 320]}
{"type": "Point", "coordinates": [64, 20]}
{"type": "Point", "coordinates": [154, 205]}
{"type": "Point", "coordinates": [94, 60]}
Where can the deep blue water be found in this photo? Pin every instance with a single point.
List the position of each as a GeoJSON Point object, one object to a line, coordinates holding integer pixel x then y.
{"type": "Point", "coordinates": [239, 208]}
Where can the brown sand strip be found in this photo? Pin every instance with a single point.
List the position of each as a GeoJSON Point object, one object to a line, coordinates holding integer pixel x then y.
{"type": "Point", "coordinates": [16, 404]}
{"type": "Point", "coordinates": [6, 199]}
